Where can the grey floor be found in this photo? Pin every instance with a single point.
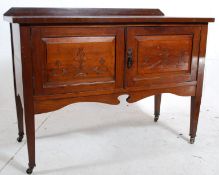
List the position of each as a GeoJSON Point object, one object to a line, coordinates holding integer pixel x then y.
{"type": "Point", "coordinates": [100, 139]}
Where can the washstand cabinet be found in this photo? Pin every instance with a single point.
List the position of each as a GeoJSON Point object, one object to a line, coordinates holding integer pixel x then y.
{"type": "Point", "coordinates": [63, 56]}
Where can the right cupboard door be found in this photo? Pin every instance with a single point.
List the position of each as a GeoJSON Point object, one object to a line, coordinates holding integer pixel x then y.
{"type": "Point", "coordinates": [161, 55]}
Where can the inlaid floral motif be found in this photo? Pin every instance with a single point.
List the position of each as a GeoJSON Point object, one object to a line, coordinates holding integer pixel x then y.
{"type": "Point", "coordinates": [101, 68]}
{"type": "Point", "coordinates": [58, 70]}
{"type": "Point", "coordinates": [162, 59]}
{"type": "Point", "coordinates": [81, 59]}
{"type": "Point", "coordinates": [79, 68]}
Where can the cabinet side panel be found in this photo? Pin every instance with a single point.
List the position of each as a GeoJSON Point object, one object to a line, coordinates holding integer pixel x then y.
{"type": "Point", "coordinates": [16, 56]}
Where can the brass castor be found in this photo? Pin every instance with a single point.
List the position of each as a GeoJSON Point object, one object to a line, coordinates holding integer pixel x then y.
{"type": "Point", "coordinates": [156, 118]}
{"type": "Point", "coordinates": [20, 137]}
{"type": "Point", "coordinates": [192, 140]}
{"type": "Point", "coordinates": [29, 170]}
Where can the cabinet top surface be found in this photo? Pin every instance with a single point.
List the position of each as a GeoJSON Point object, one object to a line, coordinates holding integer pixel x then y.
{"type": "Point", "coordinates": [93, 15]}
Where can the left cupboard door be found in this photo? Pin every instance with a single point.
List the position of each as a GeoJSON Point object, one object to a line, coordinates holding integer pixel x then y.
{"type": "Point", "coordinates": [77, 59]}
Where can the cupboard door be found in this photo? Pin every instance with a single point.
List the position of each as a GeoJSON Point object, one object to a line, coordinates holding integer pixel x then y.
{"type": "Point", "coordinates": [73, 59]}
{"type": "Point", "coordinates": [161, 55]}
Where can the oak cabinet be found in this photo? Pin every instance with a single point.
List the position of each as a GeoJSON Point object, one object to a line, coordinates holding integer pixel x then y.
{"type": "Point", "coordinates": [63, 56]}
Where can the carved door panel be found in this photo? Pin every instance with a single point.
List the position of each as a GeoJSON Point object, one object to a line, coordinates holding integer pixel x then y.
{"type": "Point", "coordinates": [161, 55]}
{"type": "Point", "coordinates": [74, 59]}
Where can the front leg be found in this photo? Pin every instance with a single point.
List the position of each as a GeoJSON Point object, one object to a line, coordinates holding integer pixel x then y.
{"type": "Point", "coordinates": [30, 133]}
{"type": "Point", "coordinates": [194, 116]}
{"type": "Point", "coordinates": [27, 77]}
{"type": "Point", "coordinates": [196, 99]}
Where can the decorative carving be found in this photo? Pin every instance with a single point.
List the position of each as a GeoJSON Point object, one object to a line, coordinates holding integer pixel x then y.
{"type": "Point", "coordinates": [102, 68]}
{"type": "Point", "coordinates": [58, 70]}
{"type": "Point", "coordinates": [80, 58]}
{"type": "Point", "coordinates": [162, 59]}
{"type": "Point", "coordinates": [79, 69]}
